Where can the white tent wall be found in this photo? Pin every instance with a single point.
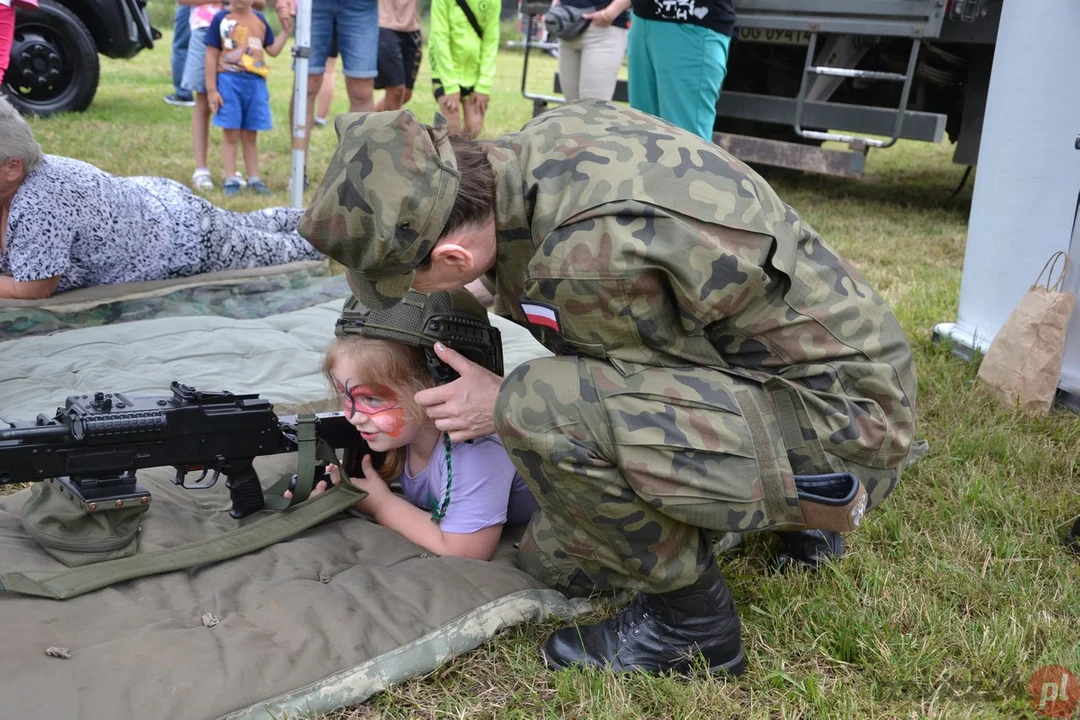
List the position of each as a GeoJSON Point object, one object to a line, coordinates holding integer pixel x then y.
{"type": "Point", "coordinates": [1024, 206]}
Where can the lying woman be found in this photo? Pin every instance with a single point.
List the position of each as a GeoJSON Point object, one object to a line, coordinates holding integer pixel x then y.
{"type": "Point", "coordinates": [64, 224]}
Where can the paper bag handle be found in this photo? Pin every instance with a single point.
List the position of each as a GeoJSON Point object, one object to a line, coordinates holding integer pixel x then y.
{"type": "Point", "coordinates": [1050, 265]}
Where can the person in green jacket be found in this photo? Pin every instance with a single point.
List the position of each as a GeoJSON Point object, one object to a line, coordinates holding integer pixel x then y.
{"type": "Point", "coordinates": [463, 44]}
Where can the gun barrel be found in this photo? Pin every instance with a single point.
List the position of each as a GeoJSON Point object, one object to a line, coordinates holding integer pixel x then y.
{"type": "Point", "coordinates": [43, 432]}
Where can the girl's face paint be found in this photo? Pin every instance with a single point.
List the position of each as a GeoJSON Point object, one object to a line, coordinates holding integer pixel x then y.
{"type": "Point", "coordinates": [391, 421]}
{"type": "Point", "coordinates": [367, 399]}
{"type": "Point", "coordinates": [375, 410]}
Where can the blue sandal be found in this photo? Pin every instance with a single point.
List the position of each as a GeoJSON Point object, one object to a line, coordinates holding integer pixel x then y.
{"type": "Point", "coordinates": [258, 187]}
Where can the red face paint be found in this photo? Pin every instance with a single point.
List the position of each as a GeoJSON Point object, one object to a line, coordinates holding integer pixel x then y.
{"type": "Point", "coordinates": [378, 402]}
{"type": "Point", "coordinates": [391, 421]}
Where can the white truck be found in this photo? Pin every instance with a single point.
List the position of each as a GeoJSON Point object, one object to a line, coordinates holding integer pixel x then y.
{"type": "Point", "coordinates": [862, 72]}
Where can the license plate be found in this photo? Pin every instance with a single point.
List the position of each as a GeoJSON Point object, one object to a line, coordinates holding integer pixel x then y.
{"type": "Point", "coordinates": [774, 36]}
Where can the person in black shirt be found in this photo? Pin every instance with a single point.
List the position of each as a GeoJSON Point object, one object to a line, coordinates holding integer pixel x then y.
{"type": "Point", "coordinates": [678, 57]}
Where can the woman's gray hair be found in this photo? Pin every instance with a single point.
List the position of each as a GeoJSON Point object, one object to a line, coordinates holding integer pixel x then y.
{"type": "Point", "coordinates": [17, 139]}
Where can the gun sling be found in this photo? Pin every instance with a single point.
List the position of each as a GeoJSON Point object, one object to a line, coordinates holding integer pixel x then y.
{"type": "Point", "coordinates": [310, 450]}
{"type": "Point", "coordinates": [257, 535]}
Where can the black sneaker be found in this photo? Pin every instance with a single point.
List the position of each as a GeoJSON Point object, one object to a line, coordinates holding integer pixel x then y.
{"type": "Point", "coordinates": [179, 100]}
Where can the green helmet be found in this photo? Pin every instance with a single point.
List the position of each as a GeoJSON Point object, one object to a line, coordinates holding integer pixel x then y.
{"type": "Point", "coordinates": [454, 318]}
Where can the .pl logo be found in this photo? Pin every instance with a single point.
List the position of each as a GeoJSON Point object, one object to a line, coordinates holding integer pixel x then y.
{"type": "Point", "coordinates": [1055, 692]}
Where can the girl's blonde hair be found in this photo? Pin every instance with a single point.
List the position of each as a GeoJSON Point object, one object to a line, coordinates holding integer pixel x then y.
{"type": "Point", "coordinates": [397, 366]}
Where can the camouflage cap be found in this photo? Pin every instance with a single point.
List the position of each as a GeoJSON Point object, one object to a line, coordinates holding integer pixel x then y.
{"type": "Point", "coordinates": [454, 318]}
{"type": "Point", "coordinates": [383, 202]}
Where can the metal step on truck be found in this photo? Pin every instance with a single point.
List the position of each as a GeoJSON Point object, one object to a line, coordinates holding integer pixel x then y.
{"type": "Point", "coordinates": [864, 73]}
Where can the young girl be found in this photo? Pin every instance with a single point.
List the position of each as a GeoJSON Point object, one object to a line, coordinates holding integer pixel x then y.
{"type": "Point", "coordinates": [193, 80]}
{"type": "Point", "coordinates": [458, 496]}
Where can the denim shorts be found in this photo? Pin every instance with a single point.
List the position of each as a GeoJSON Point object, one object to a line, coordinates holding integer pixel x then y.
{"type": "Point", "coordinates": [356, 25]}
{"type": "Point", "coordinates": [194, 77]}
{"type": "Point", "coordinates": [245, 102]}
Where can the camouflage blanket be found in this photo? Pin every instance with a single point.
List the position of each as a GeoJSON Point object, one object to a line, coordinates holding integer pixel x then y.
{"type": "Point", "coordinates": [235, 295]}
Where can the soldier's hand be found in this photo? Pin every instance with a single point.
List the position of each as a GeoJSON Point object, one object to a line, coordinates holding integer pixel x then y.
{"type": "Point", "coordinates": [464, 408]}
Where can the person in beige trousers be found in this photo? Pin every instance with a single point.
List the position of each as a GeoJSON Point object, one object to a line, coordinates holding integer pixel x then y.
{"type": "Point", "coordinates": [589, 64]}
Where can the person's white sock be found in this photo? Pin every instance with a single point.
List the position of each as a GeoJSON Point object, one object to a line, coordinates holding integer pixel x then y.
{"type": "Point", "coordinates": [253, 179]}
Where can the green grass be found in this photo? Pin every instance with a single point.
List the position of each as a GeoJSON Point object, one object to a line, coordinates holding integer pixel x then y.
{"type": "Point", "coordinates": [953, 593]}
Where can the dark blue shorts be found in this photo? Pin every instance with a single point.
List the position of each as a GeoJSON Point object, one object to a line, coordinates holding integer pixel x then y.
{"type": "Point", "coordinates": [400, 54]}
{"type": "Point", "coordinates": [245, 102]}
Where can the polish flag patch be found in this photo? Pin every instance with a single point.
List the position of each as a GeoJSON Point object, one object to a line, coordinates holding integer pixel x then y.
{"type": "Point", "coordinates": [541, 314]}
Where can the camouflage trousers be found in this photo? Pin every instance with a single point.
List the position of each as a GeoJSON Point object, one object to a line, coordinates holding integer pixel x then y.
{"type": "Point", "coordinates": [637, 468]}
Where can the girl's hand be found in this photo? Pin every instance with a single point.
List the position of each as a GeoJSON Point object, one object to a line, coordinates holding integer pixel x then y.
{"type": "Point", "coordinates": [376, 488]}
{"type": "Point", "coordinates": [378, 491]}
{"type": "Point", "coordinates": [321, 486]}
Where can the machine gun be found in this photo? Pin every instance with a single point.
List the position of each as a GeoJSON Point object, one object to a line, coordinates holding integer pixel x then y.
{"type": "Point", "coordinates": [94, 445]}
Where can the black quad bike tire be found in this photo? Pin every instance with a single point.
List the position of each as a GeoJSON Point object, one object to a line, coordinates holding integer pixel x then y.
{"type": "Point", "coordinates": [54, 62]}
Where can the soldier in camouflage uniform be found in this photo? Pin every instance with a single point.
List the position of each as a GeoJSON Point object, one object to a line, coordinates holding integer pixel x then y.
{"type": "Point", "coordinates": [718, 367]}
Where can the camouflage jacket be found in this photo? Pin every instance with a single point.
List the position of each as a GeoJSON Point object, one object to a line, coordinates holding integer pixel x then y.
{"type": "Point", "coordinates": [623, 238]}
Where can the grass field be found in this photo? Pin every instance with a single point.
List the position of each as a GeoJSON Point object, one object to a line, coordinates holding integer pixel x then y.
{"type": "Point", "coordinates": [953, 593]}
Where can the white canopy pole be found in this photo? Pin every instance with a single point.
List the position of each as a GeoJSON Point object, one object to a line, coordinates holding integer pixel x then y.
{"type": "Point", "coordinates": [302, 53]}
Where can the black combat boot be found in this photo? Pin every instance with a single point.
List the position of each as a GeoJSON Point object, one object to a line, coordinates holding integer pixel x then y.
{"type": "Point", "coordinates": [808, 548]}
{"type": "Point", "coordinates": [660, 633]}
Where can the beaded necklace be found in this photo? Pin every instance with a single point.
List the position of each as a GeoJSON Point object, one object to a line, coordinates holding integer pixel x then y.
{"type": "Point", "coordinates": [440, 512]}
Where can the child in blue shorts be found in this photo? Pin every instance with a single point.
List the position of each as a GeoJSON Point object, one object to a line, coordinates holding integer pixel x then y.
{"type": "Point", "coordinates": [237, 42]}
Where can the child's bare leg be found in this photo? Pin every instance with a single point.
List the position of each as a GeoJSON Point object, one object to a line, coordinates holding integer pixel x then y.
{"type": "Point", "coordinates": [474, 118]}
{"type": "Point", "coordinates": [249, 138]}
{"type": "Point", "coordinates": [200, 129]}
{"type": "Point", "coordinates": [392, 99]}
{"type": "Point", "coordinates": [230, 141]}
{"type": "Point", "coordinates": [326, 90]}
{"type": "Point", "coordinates": [453, 121]}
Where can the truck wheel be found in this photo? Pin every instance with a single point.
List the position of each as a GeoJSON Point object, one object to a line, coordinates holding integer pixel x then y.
{"type": "Point", "coordinates": [54, 62]}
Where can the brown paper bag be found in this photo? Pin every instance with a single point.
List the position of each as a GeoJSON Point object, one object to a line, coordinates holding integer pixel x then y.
{"type": "Point", "coordinates": [1024, 360]}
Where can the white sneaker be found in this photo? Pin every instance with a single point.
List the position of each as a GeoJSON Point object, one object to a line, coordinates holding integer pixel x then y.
{"type": "Point", "coordinates": [240, 179]}
{"type": "Point", "coordinates": [202, 180]}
